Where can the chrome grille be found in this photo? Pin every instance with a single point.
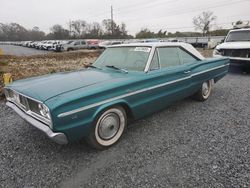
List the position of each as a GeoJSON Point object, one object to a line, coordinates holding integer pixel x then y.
{"type": "Point", "coordinates": [33, 106]}
{"type": "Point", "coordinates": [19, 100]}
{"type": "Point", "coordinates": [244, 53]}
{"type": "Point", "coordinates": [23, 102]}
{"type": "Point", "coordinates": [27, 104]}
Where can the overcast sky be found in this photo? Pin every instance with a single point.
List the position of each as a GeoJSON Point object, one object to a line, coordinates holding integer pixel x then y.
{"type": "Point", "coordinates": [171, 15]}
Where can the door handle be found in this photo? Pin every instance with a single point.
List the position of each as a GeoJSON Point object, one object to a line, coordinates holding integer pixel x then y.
{"type": "Point", "coordinates": [187, 72]}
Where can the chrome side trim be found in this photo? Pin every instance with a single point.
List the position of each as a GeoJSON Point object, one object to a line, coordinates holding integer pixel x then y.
{"type": "Point", "coordinates": [119, 97]}
{"type": "Point", "coordinates": [59, 138]}
{"type": "Point", "coordinates": [209, 70]}
{"type": "Point", "coordinates": [134, 93]}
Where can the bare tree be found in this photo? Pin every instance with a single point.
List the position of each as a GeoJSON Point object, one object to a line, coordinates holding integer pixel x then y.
{"type": "Point", "coordinates": [119, 31]}
{"type": "Point", "coordinates": [13, 32]}
{"type": "Point", "coordinates": [204, 22]}
{"type": "Point", "coordinates": [78, 28]}
{"type": "Point", "coordinates": [58, 32]}
{"type": "Point", "coordinates": [93, 30]}
{"type": "Point", "coordinates": [36, 34]}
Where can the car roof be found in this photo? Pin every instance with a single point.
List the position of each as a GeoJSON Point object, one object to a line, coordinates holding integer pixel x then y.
{"type": "Point", "coordinates": [186, 46]}
{"type": "Point", "coordinates": [243, 29]}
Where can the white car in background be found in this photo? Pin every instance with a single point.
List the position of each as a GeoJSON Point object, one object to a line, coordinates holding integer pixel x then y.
{"type": "Point", "coordinates": [236, 47]}
{"type": "Point", "coordinates": [105, 44]}
{"type": "Point", "coordinates": [74, 45]}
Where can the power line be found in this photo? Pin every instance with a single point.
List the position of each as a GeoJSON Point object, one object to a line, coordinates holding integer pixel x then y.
{"type": "Point", "coordinates": [147, 5]}
{"type": "Point", "coordinates": [186, 27]}
{"type": "Point", "coordinates": [184, 11]}
{"type": "Point", "coordinates": [125, 7]}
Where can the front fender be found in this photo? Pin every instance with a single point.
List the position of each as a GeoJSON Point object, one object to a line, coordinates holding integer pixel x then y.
{"type": "Point", "coordinates": [121, 102]}
{"type": "Point", "coordinates": [77, 126]}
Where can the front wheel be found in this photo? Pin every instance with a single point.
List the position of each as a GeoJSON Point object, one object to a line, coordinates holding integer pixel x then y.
{"type": "Point", "coordinates": [204, 92]}
{"type": "Point", "coordinates": [108, 128]}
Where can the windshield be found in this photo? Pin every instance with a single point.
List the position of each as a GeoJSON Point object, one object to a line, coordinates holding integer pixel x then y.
{"type": "Point", "coordinates": [238, 36]}
{"type": "Point", "coordinates": [128, 58]}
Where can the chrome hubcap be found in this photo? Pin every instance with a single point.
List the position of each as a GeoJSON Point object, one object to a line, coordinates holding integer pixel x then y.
{"type": "Point", "coordinates": [205, 89]}
{"type": "Point", "coordinates": [109, 126]}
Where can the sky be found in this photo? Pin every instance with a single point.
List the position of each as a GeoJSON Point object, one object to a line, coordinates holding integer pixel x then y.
{"type": "Point", "coordinates": [170, 15]}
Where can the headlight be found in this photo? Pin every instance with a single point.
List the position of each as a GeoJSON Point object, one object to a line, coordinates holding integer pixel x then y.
{"type": "Point", "coordinates": [217, 52]}
{"type": "Point", "coordinates": [44, 111]}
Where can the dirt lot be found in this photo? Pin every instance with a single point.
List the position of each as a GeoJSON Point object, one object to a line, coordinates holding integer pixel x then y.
{"type": "Point", "coordinates": [26, 66]}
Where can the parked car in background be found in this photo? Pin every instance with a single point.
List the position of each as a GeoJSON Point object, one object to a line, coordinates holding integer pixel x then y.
{"type": "Point", "coordinates": [150, 40]}
{"type": "Point", "coordinates": [75, 45]}
{"type": "Point", "coordinates": [47, 45]}
{"type": "Point", "coordinates": [127, 81]}
{"type": "Point", "coordinates": [93, 44]}
{"type": "Point", "coordinates": [236, 47]}
{"type": "Point", "coordinates": [106, 44]}
{"type": "Point", "coordinates": [57, 46]}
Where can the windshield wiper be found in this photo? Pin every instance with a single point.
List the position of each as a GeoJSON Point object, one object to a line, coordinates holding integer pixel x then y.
{"type": "Point", "coordinates": [116, 68]}
{"type": "Point", "coordinates": [92, 66]}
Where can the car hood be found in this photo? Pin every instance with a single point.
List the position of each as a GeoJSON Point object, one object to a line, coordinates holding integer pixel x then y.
{"type": "Point", "coordinates": [234, 45]}
{"type": "Point", "coordinates": [45, 87]}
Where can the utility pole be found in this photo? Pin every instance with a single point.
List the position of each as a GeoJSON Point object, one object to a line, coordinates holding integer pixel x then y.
{"type": "Point", "coordinates": [112, 21]}
{"type": "Point", "coordinates": [70, 28]}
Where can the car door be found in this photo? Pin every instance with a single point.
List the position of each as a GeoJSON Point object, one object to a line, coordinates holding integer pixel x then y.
{"type": "Point", "coordinates": [83, 45]}
{"type": "Point", "coordinates": [77, 45]}
{"type": "Point", "coordinates": [198, 69]}
{"type": "Point", "coordinates": [169, 78]}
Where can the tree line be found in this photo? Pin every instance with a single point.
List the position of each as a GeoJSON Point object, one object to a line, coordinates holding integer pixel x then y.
{"type": "Point", "coordinates": [107, 29]}
{"type": "Point", "coordinates": [76, 29]}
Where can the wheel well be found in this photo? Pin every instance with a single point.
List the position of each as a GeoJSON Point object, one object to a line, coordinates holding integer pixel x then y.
{"type": "Point", "coordinates": [128, 110]}
{"type": "Point", "coordinates": [129, 113]}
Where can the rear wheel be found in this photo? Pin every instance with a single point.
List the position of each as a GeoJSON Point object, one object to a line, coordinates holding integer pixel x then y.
{"type": "Point", "coordinates": [108, 128]}
{"type": "Point", "coordinates": [204, 92]}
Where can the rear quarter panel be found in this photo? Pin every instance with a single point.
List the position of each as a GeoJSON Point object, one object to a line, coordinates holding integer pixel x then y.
{"type": "Point", "coordinates": [212, 68]}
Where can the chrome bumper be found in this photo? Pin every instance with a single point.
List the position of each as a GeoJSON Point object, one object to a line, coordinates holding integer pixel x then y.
{"type": "Point", "coordinates": [59, 138]}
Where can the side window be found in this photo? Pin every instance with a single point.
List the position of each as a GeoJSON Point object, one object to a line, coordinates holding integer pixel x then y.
{"type": "Point", "coordinates": [155, 61]}
{"type": "Point", "coordinates": [77, 43]}
{"type": "Point", "coordinates": [169, 57]}
{"type": "Point", "coordinates": [186, 57]}
{"type": "Point", "coordinates": [83, 42]}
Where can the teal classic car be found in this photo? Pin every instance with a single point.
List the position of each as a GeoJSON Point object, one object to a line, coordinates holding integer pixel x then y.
{"type": "Point", "coordinates": [127, 82]}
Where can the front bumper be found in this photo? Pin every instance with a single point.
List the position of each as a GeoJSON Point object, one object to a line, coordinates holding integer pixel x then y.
{"type": "Point", "coordinates": [59, 138]}
{"type": "Point", "coordinates": [240, 63]}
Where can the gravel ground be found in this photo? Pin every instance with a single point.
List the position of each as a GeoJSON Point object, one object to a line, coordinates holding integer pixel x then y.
{"type": "Point", "coordinates": [21, 51]}
{"type": "Point", "coordinates": [190, 144]}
